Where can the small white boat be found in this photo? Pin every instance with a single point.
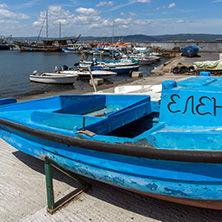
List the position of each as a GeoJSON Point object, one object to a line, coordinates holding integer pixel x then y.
{"type": "Point", "coordinates": [146, 59]}
{"type": "Point", "coordinates": [85, 74]}
{"type": "Point", "coordinates": [70, 50]}
{"type": "Point", "coordinates": [153, 90]}
{"type": "Point", "coordinates": [53, 78]}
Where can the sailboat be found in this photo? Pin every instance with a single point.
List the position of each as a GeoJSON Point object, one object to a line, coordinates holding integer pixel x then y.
{"type": "Point", "coordinates": [46, 45]}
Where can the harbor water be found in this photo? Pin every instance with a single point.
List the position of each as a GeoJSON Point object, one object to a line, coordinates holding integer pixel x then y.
{"type": "Point", "coordinates": [16, 66]}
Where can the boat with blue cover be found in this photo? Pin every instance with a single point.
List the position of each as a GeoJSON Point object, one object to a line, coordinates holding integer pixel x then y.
{"type": "Point", "coordinates": [190, 51]}
{"type": "Point", "coordinates": [169, 149]}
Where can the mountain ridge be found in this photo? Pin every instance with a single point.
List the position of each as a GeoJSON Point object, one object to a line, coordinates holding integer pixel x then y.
{"type": "Point", "coordinates": [144, 38]}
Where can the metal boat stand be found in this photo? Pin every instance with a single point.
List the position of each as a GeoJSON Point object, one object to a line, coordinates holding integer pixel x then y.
{"type": "Point", "coordinates": [52, 206]}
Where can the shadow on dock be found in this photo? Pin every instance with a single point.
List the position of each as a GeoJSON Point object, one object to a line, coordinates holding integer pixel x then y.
{"type": "Point", "coordinates": [151, 208]}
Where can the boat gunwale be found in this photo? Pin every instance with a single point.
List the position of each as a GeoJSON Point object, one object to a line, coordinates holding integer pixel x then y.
{"type": "Point", "coordinates": [150, 152]}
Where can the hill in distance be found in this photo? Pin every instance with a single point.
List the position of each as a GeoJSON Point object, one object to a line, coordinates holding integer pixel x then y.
{"type": "Point", "coordinates": [143, 38]}
{"type": "Point", "coordinates": [157, 38]}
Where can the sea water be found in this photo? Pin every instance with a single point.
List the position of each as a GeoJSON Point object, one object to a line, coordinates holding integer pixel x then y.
{"type": "Point", "coordinates": [16, 66]}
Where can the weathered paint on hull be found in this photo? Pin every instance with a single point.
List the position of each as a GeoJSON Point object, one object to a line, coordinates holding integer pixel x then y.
{"type": "Point", "coordinates": [181, 182]}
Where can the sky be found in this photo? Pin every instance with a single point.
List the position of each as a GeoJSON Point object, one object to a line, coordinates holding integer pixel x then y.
{"type": "Point", "coordinates": [97, 18]}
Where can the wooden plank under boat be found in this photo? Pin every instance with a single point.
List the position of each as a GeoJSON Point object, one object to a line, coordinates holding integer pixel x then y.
{"type": "Point", "coordinates": [170, 150]}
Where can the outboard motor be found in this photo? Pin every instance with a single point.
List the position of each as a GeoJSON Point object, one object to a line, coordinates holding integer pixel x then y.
{"type": "Point", "coordinates": [64, 67]}
{"type": "Point", "coordinates": [35, 72]}
{"type": "Point", "coordinates": [76, 64]}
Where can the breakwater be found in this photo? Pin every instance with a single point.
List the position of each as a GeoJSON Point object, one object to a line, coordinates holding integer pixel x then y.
{"type": "Point", "coordinates": [177, 45]}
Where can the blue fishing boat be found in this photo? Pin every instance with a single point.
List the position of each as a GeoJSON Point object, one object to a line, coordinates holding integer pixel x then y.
{"type": "Point", "coordinates": [190, 51]}
{"type": "Point", "coordinates": [117, 66]}
{"type": "Point", "coordinates": [169, 150]}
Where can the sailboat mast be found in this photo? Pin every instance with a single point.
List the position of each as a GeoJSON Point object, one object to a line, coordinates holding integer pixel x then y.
{"type": "Point", "coordinates": [113, 41]}
{"type": "Point", "coordinates": [59, 33]}
{"type": "Point", "coordinates": [60, 30]}
{"type": "Point", "coordinates": [47, 24]}
{"type": "Point", "coordinates": [46, 19]}
{"type": "Point", "coordinates": [113, 33]}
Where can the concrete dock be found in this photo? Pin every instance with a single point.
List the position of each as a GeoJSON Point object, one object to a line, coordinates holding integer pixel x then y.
{"type": "Point", "coordinates": [165, 68]}
{"type": "Point", "coordinates": [23, 190]}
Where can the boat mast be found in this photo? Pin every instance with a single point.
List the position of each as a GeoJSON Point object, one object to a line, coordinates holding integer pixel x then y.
{"type": "Point", "coordinates": [113, 40]}
{"type": "Point", "coordinates": [113, 32]}
{"type": "Point", "coordinates": [59, 33]}
{"type": "Point", "coordinates": [46, 19]}
{"type": "Point", "coordinates": [47, 24]}
{"type": "Point", "coordinates": [60, 30]}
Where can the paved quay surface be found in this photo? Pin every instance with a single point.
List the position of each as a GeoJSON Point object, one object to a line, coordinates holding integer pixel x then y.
{"type": "Point", "coordinates": [166, 67]}
{"type": "Point", "coordinates": [23, 189]}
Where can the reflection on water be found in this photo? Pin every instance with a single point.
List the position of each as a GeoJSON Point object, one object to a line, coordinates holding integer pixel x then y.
{"type": "Point", "coordinates": [15, 68]}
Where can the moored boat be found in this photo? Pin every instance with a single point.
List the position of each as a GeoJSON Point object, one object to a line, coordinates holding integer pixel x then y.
{"type": "Point", "coordinates": [70, 50]}
{"type": "Point", "coordinates": [47, 45]}
{"type": "Point", "coordinates": [4, 46]}
{"type": "Point", "coordinates": [190, 51]}
{"type": "Point", "coordinates": [169, 150]}
{"type": "Point", "coordinates": [141, 58]}
{"type": "Point", "coordinates": [53, 78]}
{"type": "Point", "coordinates": [114, 66]}
{"type": "Point", "coordinates": [85, 74]}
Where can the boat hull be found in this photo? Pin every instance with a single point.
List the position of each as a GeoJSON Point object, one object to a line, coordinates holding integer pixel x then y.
{"type": "Point", "coordinates": [85, 74]}
{"type": "Point", "coordinates": [190, 51]}
{"type": "Point", "coordinates": [189, 183]}
{"type": "Point", "coordinates": [29, 48]}
{"type": "Point", "coordinates": [53, 78]}
{"type": "Point", "coordinates": [4, 47]}
{"type": "Point", "coordinates": [68, 50]}
{"type": "Point", "coordinates": [118, 69]}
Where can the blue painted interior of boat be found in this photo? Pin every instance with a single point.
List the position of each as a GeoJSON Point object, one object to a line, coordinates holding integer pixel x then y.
{"type": "Point", "coordinates": [103, 113]}
{"type": "Point", "coordinates": [7, 101]}
{"type": "Point", "coordinates": [188, 118]}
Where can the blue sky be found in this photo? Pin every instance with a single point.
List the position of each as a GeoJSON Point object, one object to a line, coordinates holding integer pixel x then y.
{"type": "Point", "coordinates": [95, 18]}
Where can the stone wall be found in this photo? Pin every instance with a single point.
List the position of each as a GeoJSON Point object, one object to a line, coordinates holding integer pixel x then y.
{"type": "Point", "coordinates": [203, 46]}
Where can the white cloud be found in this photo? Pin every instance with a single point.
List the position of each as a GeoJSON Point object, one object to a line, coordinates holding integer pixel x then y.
{"type": "Point", "coordinates": [105, 3]}
{"type": "Point", "coordinates": [121, 21]}
{"type": "Point", "coordinates": [8, 21]}
{"type": "Point", "coordinates": [3, 6]}
{"type": "Point", "coordinates": [143, 1]}
{"type": "Point", "coordinates": [55, 15]}
{"type": "Point", "coordinates": [6, 14]}
{"type": "Point", "coordinates": [129, 2]}
{"type": "Point", "coordinates": [89, 21]}
{"type": "Point", "coordinates": [171, 5]}
{"type": "Point", "coordinates": [87, 11]}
